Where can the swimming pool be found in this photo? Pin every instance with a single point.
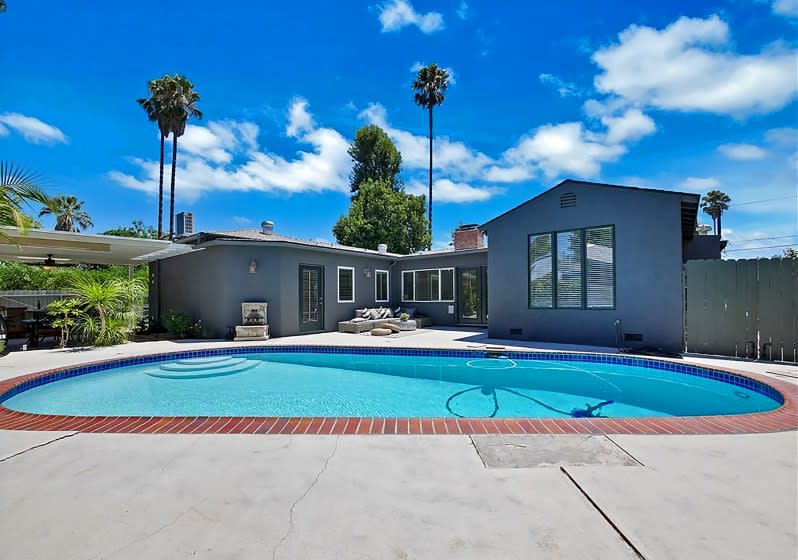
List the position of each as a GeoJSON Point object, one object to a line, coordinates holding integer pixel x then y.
{"type": "Point", "coordinates": [323, 382]}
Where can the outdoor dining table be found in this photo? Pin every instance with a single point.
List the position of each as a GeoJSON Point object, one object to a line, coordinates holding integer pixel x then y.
{"type": "Point", "coordinates": [33, 326]}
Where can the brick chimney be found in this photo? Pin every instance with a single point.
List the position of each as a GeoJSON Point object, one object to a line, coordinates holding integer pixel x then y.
{"type": "Point", "coordinates": [468, 237]}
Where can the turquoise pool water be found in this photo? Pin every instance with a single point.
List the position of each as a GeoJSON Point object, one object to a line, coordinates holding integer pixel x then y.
{"type": "Point", "coordinates": [337, 384]}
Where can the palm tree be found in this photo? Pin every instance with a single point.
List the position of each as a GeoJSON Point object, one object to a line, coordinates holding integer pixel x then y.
{"type": "Point", "coordinates": [2, 6]}
{"type": "Point", "coordinates": [156, 112]}
{"type": "Point", "coordinates": [18, 187]}
{"type": "Point", "coordinates": [715, 203]}
{"type": "Point", "coordinates": [68, 212]}
{"type": "Point", "coordinates": [180, 104]}
{"type": "Point", "coordinates": [430, 86]}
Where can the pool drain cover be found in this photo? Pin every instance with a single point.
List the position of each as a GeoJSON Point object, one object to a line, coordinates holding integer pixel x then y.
{"type": "Point", "coordinates": [535, 451]}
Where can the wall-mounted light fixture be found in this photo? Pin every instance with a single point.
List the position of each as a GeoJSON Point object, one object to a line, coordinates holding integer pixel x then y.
{"type": "Point", "coordinates": [367, 272]}
{"type": "Point", "coordinates": [253, 266]}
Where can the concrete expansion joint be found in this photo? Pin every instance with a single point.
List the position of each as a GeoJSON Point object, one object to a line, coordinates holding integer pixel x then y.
{"type": "Point", "coordinates": [39, 445]}
{"type": "Point", "coordinates": [302, 497]}
{"type": "Point", "coordinates": [606, 517]}
{"type": "Point", "coordinates": [619, 446]}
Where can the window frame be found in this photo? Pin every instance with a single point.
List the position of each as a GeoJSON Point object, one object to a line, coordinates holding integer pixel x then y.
{"type": "Point", "coordinates": [338, 283]}
{"type": "Point", "coordinates": [440, 285]}
{"type": "Point", "coordinates": [583, 233]}
{"type": "Point", "coordinates": [377, 273]}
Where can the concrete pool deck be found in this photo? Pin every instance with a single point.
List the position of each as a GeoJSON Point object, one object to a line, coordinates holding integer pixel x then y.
{"type": "Point", "coordinates": [116, 496]}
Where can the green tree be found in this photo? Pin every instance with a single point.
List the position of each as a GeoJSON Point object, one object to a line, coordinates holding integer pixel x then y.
{"type": "Point", "coordinates": [2, 6]}
{"type": "Point", "coordinates": [380, 214]}
{"type": "Point", "coordinates": [789, 253]}
{"type": "Point", "coordinates": [65, 313]}
{"type": "Point", "coordinates": [375, 157]}
{"type": "Point", "coordinates": [154, 106]}
{"type": "Point", "coordinates": [715, 203]}
{"type": "Point", "coordinates": [430, 88]}
{"type": "Point", "coordinates": [68, 212]}
{"type": "Point", "coordinates": [138, 229]}
{"type": "Point", "coordinates": [179, 101]}
{"type": "Point", "coordinates": [18, 189]}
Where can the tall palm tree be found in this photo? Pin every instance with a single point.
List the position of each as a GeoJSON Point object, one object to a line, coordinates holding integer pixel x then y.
{"type": "Point", "coordinates": [68, 212]}
{"type": "Point", "coordinates": [715, 203]}
{"type": "Point", "coordinates": [180, 103]}
{"type": "Point", "coordinates": [18, 188]}
{"type": "Point", "coordinates": [430, 87]}
{"type": "Point", "coordinates": [156, 112]}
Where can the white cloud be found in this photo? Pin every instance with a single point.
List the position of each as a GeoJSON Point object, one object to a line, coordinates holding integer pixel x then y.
{"type": "Point", "coordinates": [699, 184]}
{"type": "Point", "coordinates": [630, 126]}
{"type": "Point", "coordinates": [449, 70]}
{"type": "Point", "coordinates": [462, 10]}
{"type": "Point", "coordinates": [451, 157]}
{"type": "Point", "coordinates": [396, 14]}
{"type": "Point", "coordinates": [445, 190]}
{"type": "Point", "coordinates": [31, 129]}
{"type": "Point", "coordinates": [742, 152]}
{"type": "Point", "coordinates": [242, 220]}
{"type": "Point", "coordinates": [565, 89]}
{"type": "Point", "coordinates": [784, 137]}
{"type": "Point", "coordinates": [566, 148]}
{"type": "Point", "coordinates": [690, 66]}
{"type": "Point", "coordinates": [210, 162]}
{"type": "Point", "coordinates": [786, 8]}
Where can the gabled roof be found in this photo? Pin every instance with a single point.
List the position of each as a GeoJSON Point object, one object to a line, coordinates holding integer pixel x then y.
{"type": "Point", "coordinates": [689, 202]}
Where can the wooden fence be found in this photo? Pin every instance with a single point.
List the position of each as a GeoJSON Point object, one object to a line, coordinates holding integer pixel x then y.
{"type": "Point", "coordinates": [742, 308]}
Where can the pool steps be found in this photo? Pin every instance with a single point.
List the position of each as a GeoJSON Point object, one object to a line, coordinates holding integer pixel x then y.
{"type": "Point", "coordinates": [203, 367]}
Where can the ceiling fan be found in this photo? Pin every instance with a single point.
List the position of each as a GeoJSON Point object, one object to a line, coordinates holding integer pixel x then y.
{"type": "Point", "coordinates": [49, 262]}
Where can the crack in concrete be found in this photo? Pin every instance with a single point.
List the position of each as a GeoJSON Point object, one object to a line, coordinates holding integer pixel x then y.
{"type": "Point", "coordinates": [158, 530]}
{"type": "Point", "coordinates": [38, 446]}
{"type": "Point", "coordinates": [302, 497]}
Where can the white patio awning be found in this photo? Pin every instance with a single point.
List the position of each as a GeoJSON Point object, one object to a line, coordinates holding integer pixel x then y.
{"type": "Point", "coordinates": [66, 247]}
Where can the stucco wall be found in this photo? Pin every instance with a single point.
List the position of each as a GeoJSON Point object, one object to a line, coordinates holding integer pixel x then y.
{"type": "Point", "coordinates": [211, 284]}
{"type": "Point", "coordinates": [438, 311]}
{"type": "Point", "coordinates": [648, 254]}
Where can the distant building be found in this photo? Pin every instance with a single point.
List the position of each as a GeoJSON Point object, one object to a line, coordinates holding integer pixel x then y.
{"type": "Point", "coordinates": [185, 224]}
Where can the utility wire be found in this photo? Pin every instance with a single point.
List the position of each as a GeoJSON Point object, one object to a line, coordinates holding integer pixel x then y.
{"type": "Point", "coordinates": [763, 238]}
{"type": "Point", "coordinates": [766, 247]}
{"type": "Point", "coordinates": [765, 200]}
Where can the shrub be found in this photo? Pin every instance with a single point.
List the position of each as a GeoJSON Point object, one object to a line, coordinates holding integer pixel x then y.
{"type": "Point", "coordinates": [178, 324]}
{"type": "Point", "coordinates": [66, 313]}
{"type": "Point", "coordinates": [109, 308]}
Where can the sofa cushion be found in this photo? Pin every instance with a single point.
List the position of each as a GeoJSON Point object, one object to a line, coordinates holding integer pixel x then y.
{"type": "Point", "coordinates": [357, 320]}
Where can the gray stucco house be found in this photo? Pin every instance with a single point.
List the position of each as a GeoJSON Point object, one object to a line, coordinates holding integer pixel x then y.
{"type": "Point", "coordinates": [591, 263]}
{"type": "Point", "coordinates": [583, 263]}
{"type": "Point", "coordinates": [310, 286]}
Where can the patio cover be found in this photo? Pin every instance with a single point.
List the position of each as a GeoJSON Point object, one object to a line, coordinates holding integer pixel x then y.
{"type": "Point", "coordinates": [67, 247]}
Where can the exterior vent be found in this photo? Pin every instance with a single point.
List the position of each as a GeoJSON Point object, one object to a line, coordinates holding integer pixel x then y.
{"type": "Point", "coordinates": [568, 200]}
{"type": "Point", "coordinates": [382, 248]}
{"type": "Point", "coordinates": [267, 227]}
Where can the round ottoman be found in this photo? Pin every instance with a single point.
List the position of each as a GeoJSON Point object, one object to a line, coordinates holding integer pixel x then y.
{"type": "Point", "coordinates": [391, 327]}
{"type": "Point", "coordinates": [380, 332]}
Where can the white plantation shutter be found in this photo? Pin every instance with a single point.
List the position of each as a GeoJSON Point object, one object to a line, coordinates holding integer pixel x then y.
{"type": "Point", "coordinates": [540, 271]}
{"type": "Point", "coordinates": [600, 261]}
{"type": "Point", "coordinates": [569, 268]}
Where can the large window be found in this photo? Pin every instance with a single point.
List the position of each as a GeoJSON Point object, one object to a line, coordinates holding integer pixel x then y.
{"type": "Point", "coordinates": [436, 284]}
{"type": "Point", "coordinates": [381, 286]}
{"type": "Point", "coordinates": [572, 269]}
{"type": "Point", "coordinates": [346, 284]}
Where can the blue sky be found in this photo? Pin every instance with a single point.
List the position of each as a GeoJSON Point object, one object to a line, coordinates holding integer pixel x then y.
{"type": "Point", "coordinates": [679, 95]}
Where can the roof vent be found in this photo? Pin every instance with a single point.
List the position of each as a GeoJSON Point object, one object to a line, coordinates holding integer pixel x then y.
{"type": "Point", "coordinates": [568, 200]}
{"type": "Point", "coordinates": [382, 248]}
{"type": "Point", "coordinates": [267, 227]}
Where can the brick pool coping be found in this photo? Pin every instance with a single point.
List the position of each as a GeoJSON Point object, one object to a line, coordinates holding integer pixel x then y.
{"type": "Point", "coordinates": [784, 418]}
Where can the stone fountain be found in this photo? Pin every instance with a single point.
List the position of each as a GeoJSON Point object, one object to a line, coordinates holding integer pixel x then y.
{"type": "Point", "coordinates": [254, 322]}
